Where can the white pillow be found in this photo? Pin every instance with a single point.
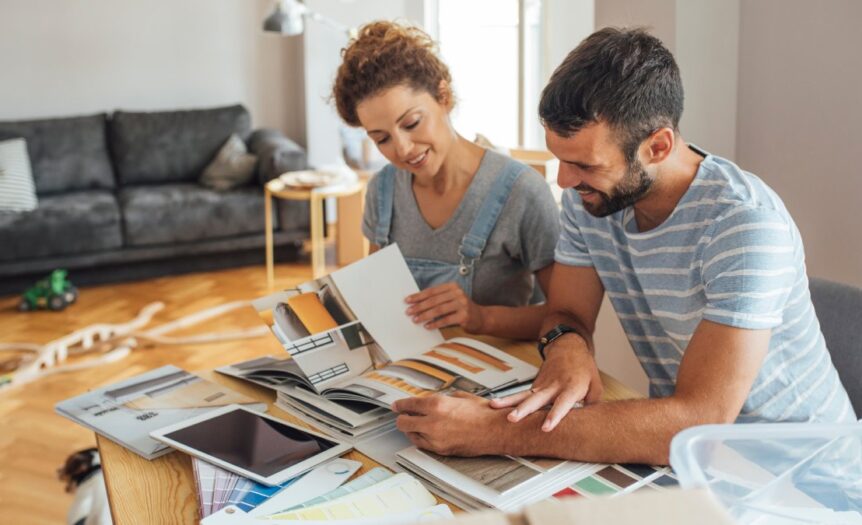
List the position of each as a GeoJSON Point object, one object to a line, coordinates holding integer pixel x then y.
{"type": "Point", "coordinates": [17, 191]}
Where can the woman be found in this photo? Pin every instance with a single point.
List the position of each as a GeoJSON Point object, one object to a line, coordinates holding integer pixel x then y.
{"type": "Point", "coordinates": [477, 228]}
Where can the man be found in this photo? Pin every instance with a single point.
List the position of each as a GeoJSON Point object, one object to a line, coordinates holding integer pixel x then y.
{"type": "Point", "coordinates": [701, 261]}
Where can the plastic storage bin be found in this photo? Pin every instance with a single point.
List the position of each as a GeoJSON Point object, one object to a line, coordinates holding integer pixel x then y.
{"type": "Point", "coordinates": [788, 473]}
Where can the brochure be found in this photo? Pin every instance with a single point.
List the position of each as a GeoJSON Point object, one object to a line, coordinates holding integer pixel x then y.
{"type": "Point", "coordinates": [126, 412]}
{"type": "Point", "coordinates": [342, 419]}
{"type": "Point", "coordinates": [353, 349]}
{"type": "Point", "coordinates": [508, 483]}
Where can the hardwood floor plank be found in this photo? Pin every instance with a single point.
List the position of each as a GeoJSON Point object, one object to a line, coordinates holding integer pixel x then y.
{"type": "Point", "coordinates": [35, 442]}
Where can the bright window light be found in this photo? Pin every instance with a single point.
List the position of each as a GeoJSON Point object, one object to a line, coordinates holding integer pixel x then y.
{"type": "Point", "coordinates": [479, 41]}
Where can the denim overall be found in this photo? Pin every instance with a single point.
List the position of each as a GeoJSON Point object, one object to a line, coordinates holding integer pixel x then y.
{"type": "Point", "coordinates": [428, 272]}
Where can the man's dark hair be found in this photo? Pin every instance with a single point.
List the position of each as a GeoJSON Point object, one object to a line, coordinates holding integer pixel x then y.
{"type": "Point", "coordinates": [624, 77]}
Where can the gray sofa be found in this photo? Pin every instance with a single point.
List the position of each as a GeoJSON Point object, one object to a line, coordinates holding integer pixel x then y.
{"type": "Point", "coordinates": [119, 198]}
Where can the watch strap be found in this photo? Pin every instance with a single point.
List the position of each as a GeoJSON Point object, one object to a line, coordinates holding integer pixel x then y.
{"type": "Point", "coordinates": [552, 335]}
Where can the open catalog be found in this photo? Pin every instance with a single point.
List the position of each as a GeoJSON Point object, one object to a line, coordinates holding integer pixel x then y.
{"type": "Point", "coordinates": [354, 350]}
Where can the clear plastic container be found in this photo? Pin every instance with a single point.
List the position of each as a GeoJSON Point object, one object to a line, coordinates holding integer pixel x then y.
{"type": "Point", "coordinates": [787, 473]}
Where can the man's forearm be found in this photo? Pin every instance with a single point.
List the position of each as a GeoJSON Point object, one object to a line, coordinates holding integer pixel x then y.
{"type": "Point", "coordinates": [632, 431]}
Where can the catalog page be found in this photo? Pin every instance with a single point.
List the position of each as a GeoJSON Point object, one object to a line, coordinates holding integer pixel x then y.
{"type": "Point", "coordinates": [128, 411]}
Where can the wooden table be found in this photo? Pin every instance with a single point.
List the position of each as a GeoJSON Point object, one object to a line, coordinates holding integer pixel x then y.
{"type": "Point", "coordinates": [163, 490]}
{"type": "Point", "coordinates": [350, 243]}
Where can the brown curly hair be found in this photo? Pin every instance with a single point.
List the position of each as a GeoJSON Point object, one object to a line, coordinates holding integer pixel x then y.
{"type": "Point", "coordinates": [383, 55]}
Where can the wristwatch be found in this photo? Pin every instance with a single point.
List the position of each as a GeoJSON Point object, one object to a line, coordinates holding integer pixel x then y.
{"type": "Point", "coordinates": [553, 334]}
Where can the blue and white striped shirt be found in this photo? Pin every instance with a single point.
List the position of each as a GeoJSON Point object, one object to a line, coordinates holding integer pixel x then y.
{"type": "Point", "coordinates": [729, 253]}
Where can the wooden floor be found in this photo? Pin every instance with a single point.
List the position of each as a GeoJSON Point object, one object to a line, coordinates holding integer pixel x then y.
{"type": "Point", "coordinates": [34, 441]}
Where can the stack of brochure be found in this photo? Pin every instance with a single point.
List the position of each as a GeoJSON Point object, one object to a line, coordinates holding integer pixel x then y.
{"type": "Point", "coordinates": [509, 483]}
{"type": "Point", "coordinates": [295, 394]}
{"type": "Point", "coordinates": [126, 412]}
{"type": "Point", "coordinates": [377, 496]}
{"type": "Point", "coordinates": [353, 350]}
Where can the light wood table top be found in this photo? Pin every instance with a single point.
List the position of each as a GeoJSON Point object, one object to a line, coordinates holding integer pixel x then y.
{"type": "Point", "coordinates": [163, 490]}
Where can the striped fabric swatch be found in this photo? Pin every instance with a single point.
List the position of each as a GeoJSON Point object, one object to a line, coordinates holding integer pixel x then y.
{"type": "Point", "coordinates": [17, 191]}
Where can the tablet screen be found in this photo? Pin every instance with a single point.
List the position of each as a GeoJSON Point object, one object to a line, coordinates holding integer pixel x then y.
{"type": "Point", "coordinates": [251, 442]}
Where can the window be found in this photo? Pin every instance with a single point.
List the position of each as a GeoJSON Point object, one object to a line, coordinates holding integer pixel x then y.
{"type": "Point", "coordinates": [495, 62]}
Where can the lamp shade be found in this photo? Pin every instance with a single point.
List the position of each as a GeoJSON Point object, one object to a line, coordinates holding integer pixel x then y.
{"type": "Point", "coordinates": [286, 19]}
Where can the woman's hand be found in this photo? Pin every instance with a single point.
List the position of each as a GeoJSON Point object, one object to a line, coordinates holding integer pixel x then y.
{"type": "Point", "coordinates": [445, 305]}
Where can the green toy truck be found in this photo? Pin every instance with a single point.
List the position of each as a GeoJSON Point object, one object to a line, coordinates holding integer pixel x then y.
{"type": "Point", "coordinates": [54, 292]}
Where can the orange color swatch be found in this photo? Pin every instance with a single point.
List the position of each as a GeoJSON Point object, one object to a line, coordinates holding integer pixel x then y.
{"type": "Point", "coordinates": [311, 312]}
{"type": "Point", "coordinates": [476, 354]}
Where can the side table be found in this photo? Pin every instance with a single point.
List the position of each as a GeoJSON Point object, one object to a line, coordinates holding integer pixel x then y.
{"type": "Point", "coordinates": [351, 245]}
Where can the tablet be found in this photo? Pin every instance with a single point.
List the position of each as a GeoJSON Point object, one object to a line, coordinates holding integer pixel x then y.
{"type": "Point", "coordinates": [253, 445]}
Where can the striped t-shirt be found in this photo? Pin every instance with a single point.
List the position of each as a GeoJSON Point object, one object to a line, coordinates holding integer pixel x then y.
{"type": "Point", "coordinates": [729, 253]}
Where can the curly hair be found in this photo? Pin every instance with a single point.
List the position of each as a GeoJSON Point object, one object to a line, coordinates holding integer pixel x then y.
{"type": "Point", "coordinates": [383, 55]}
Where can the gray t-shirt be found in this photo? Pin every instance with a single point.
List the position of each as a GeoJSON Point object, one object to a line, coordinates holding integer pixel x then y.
{"type": "Point", "coordinates": [521, 243]}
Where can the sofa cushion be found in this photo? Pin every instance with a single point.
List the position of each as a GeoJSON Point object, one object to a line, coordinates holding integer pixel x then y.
{"type": "Point", "coordinates": [72, 223]}
{"type": "Point", "coordinates": [171, 146]}
{"type": "Point", "coordinates": [67, 154]}
{"type": "Point", "coordinates": [232, 167]}
{"type": "Point", "coordinates": [276, 154]}
{"type": "Point", "coordinates": [182, 212]}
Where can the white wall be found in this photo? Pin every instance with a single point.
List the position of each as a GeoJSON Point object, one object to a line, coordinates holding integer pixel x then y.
{"type": "Point", "coordinates": [659, 16]}
{"type": "Point", "coordinates": [707, 52]}
{"type": "Point", "coordinates": [74, 57]}
{"type": "Point", "coordinates": [800, 105]}
{"type": "Point", "coordinates": [566, 23]}
{"type": "Point", "coordinates": [65, 57]}
{"type": "Point", "coordinates": [322, 46]}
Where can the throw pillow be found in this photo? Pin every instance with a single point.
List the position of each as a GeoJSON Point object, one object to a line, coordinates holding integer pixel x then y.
{"type": "Point", "coordinates": [17, 191]}
{"type": "Point", "coordinates": [233, 166]}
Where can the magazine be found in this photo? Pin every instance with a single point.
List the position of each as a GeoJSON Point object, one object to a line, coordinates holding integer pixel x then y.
{"type": "Point", "coordinates": [508, 483]}
{"type": "Point", "coordinates": [353, 348]}
{"type": "Point", "coordinates": [126, 412]}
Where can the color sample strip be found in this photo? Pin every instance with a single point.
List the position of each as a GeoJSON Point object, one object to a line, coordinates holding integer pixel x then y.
{"type": "Point", "coordinates": [500, 473]}
{"type": "Point", "coordinates": [639, 470]}
{"type": "Point", "coordinates": [666, 481]}
{"type": "Point", "coordinates": [593, 486]}
{"type": "Point", "coordinates": [477, 354]}
{"type": "Point", "coordinates": [617, 477]}
{"type": "Point", "coordinates": [568, 492]}
{"type": "Point", "coordinates": [544, 463]}
{"type": "Point", "coordinates": [397, 494]}
{"type": "Point", "coordinates": [243, 486]}
{"type": "Point", "coordinates": [258, 493]}
{"type": "Point", "coordinates": [373, 476]}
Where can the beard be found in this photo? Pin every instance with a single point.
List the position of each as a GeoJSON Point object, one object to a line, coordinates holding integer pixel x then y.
{"type": "Point", "coordinates": [635, 184]}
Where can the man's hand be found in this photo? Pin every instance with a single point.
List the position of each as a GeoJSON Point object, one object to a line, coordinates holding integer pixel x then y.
{"type": "Point", "coordinates": [444, 305]}
{"type": "Point", "coordinates": [461, 424]}
{"type": "Point", "coordinates": [568, 376]}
